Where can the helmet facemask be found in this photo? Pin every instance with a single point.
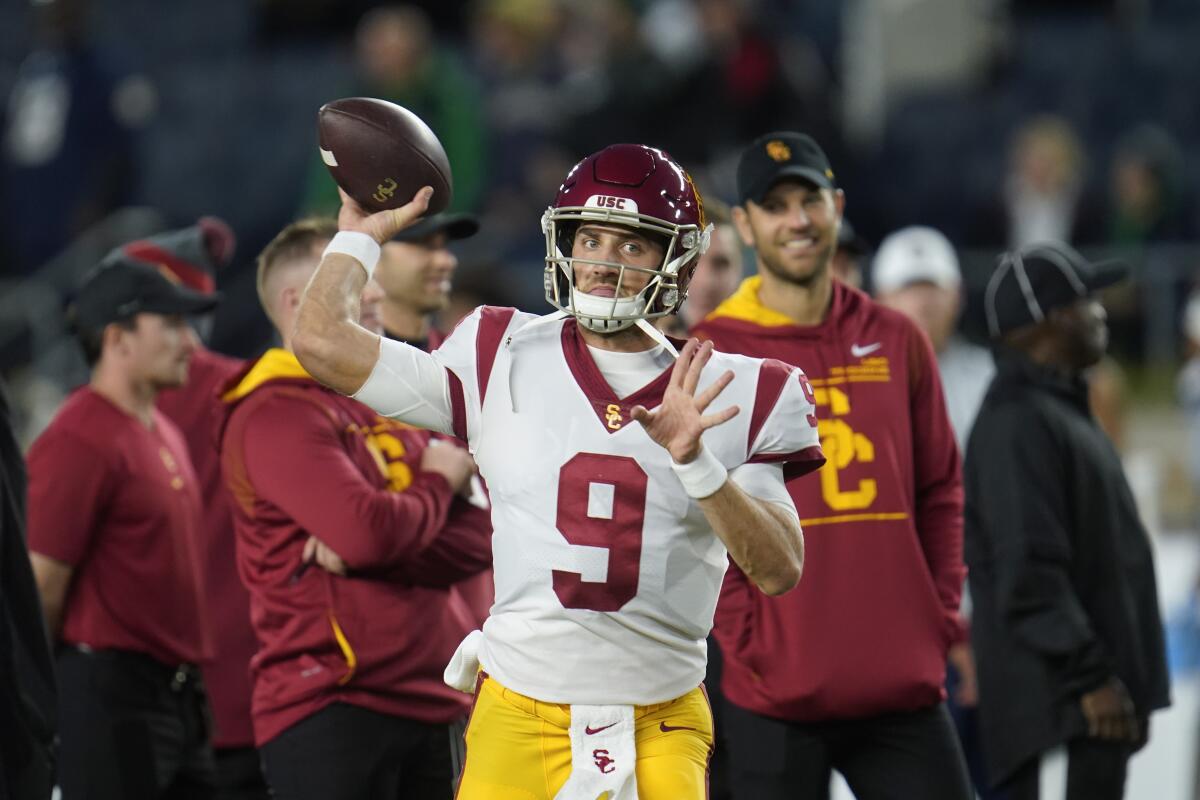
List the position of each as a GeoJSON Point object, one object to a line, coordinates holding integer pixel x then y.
{"type": "Point", "coordinates": [662, 294]}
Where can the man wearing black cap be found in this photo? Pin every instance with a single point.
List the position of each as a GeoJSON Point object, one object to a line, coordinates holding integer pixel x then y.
{"type": "Point", "coordinates": [415, 270]}
{"type": "Point", "coordinates": [114, 537]}
{"type": "Point", "coordinates": [1066, 625]}
{"type": "Point", "coordinates": [845, 672]}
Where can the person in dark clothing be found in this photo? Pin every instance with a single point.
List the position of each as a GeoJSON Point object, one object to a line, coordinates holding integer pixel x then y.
{"type": "Point", "coordinates": [27, 689]}
{"type": "Point", "coordinates": [1066, 626]}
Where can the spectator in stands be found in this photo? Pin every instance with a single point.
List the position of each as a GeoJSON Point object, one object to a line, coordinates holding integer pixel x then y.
{"type": "Point", "coordinates": [1065, 626]}
{"type": "Point", "coordinates": [916, 272]}
{"type": "Point", "coordinates": [27, 693]}
{"type": "Point", "coordinates": [612, 86]}
{"type": "Point", "coordinates": [1148, 198]}
{"type": "Point", "coordinates": [115, 540]}
{"type": "Point", "coordinates": [511, 47]}
{"type": "Point", "coordinates": [193, 255]}
{"type": "Point", "coordinates": [70, 122]}
{"type": "Point", "coordinates": [719, 269]}
{"type": "Point", "coordinates": [756, 74]}
{"type": "Point", "coordinates": [399, 59]}
{"type": "Point", "coordinates": [351, 535]}
{"type": "Point", "coordinates": [1042, 197]}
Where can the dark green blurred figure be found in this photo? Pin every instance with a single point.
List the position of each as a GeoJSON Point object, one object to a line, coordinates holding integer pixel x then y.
{"type": "Point", "coordinates": [399, 60]}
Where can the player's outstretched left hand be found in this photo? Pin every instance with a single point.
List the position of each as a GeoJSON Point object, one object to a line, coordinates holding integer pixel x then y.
{"type": "Point", "coordinates": [676, 425]}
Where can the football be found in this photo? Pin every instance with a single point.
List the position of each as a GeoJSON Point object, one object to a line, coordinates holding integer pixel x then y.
{"type": "Point", "coordinates": [381, 153]}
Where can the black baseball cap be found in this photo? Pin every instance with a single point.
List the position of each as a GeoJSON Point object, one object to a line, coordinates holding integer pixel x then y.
{"type": "Point", "coordinates": [120, 288]}
{"type": "Point", "coordinates": [1029, 282]}
{"type": "Point", "coordinates": [775, 156]}
{"type": "Point", "coordinates": [455, 226]}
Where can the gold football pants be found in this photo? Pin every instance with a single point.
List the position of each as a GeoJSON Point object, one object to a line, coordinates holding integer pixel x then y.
{"type": "Point", "coordinates": [519, 748]}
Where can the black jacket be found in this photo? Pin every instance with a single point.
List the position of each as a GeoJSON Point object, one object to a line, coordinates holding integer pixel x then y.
{"type": "Point", "coordinates": [27, 687]}
{"type": "Point", "coordinates": [1061, 571]}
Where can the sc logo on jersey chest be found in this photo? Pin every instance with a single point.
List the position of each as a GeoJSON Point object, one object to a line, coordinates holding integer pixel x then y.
{"type": "Point", "coordinates": [612, 416]}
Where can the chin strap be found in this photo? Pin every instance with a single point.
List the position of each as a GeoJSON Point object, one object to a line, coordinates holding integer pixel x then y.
{"type": "Point", "coordinates": [658, 336]}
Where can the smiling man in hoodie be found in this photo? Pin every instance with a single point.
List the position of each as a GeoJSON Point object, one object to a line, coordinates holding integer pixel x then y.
{"type": "Point", "coordinates": [846, 672]}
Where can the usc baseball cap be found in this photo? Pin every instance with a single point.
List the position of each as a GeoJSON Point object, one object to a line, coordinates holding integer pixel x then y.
{"type": "Point", "coordinates": [1029, 282]}
{"type": "Point", "coordinates": [120, 288]}
{"type": "Point", "coordinates": [915, 255]}
{"type": "Point", "coordinates": [783, 154]}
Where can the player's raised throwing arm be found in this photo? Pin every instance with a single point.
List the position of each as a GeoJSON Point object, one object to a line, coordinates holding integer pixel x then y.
{"type": "Point", "coordinates": [393, 378]}
{"type": "Point", "coordinates": [328, 340]}
{"type": "Point", "coordinates": [763, 540]}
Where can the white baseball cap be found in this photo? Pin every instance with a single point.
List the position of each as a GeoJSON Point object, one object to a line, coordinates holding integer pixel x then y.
{"type": "Point", "coordinates": [915, 255]}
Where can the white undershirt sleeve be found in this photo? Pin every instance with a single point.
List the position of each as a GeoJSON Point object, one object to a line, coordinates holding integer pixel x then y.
{"type": "Point", "coordinates": [409, 385]}
{"type": "Point", "coordinates": [765, 482]}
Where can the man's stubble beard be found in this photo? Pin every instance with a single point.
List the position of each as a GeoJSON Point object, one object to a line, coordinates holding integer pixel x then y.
{"type": "Point", "coordinates": [825, 262]}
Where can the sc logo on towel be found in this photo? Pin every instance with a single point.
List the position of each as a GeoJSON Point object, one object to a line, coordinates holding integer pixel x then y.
{"type": "Point", "coordinates": [603, 762]}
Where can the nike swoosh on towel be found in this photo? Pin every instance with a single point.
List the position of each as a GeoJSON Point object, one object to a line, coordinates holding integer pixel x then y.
{"type": "Point", "coordinates": [589, 730]}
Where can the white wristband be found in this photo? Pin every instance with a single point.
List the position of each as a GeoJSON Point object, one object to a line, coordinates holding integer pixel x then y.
{"type": "Point", "coordinates": [359, 246]}
{"type": "Point", "coordinates": [703, 476]}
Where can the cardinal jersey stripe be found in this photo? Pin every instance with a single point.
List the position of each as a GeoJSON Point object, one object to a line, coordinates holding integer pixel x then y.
{"type": "Point", "coordinates": [458, 405]}
{"type": "Point", "coordinates": [493, 322]}
{"type": "Point", "coordinates": [771, 379]}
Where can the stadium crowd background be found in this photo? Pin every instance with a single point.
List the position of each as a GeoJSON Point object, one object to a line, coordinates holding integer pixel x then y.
{"type": "Point", "coordinates": [125, 117]}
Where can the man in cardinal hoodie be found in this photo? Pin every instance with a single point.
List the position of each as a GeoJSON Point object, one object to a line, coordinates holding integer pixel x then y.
{"type": "Point", "coordinates": [846, 671]}
{"type": "Point", "coordinates": [351, 533]}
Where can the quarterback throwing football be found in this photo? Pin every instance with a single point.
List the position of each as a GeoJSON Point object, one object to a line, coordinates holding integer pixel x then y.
{"type": "Point", "coordinates": [618, 481]}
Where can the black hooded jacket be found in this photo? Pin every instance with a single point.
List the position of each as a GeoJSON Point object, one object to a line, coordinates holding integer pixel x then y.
{"type": "Point", "coordinates": [1061, 570]}
{"type": "Point", "coordinates": [27, 688]}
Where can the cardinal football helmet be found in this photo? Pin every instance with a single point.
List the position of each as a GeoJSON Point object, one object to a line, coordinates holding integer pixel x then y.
{"type": "Point", "coordinates": [633, 186]}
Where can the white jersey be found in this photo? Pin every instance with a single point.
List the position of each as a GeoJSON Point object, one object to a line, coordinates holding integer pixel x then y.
{"type": "Point", "coordinates": [607, 573]}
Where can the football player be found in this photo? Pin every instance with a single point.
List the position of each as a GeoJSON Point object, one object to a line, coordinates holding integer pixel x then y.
{"type": "Point", "coordinates": [617, 487]}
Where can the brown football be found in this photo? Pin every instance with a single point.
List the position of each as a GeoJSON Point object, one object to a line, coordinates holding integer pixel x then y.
{"type": "Point", "coordinates": [382, 153]}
